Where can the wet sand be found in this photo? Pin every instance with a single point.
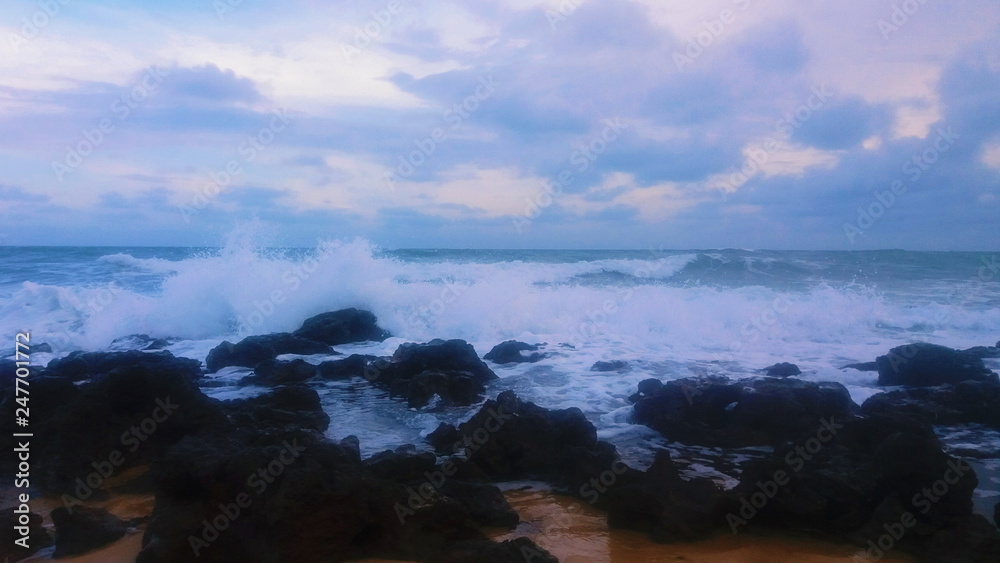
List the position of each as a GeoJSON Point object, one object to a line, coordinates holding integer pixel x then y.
{"type": "Point", "coordinates": [568, 528]}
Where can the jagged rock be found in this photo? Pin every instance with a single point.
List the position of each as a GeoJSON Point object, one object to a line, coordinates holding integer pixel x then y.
{"type": "Point", "coordinates": [342, 327]}
{"type": "Point", "coordinates": [969, 402]}
{"type": "Point", "coordinates": [510, 352]}
{"type": "Point", "coordinates": [454, 388]}
{"type": "Point", "coordinates": [613, 365]}
{"type": "Point", "coordinates": [80, 366]}
{"type": "Point", "coordinates": [783, 369]}
{"type": "Point", "coordinates": [255, 349]}
{"type": "Point", "coordinates": [82, 529]}
{"type": "Point", "coordinates": [715, 411]}
{"type": "Point", "coordinates": [922, 365]}
{"type": "Point", "coordinates": [284, 408]}
{"type": "Point", "coordinates": [450, 369]}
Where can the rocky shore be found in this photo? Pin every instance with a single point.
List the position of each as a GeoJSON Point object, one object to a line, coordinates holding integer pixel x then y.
{"type": "Point", "coordinates": [257, 480]}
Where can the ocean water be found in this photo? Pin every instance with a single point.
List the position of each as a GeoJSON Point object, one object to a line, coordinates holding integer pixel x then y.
{"type": "Point", "coordinates": [668, 313]}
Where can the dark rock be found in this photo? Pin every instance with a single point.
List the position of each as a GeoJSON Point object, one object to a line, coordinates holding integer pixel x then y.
{"type": "Point", "coordinates": [650, 386]}
{"type": "Point", "coordinates": [784, 369]}
{"type": "Point", "coordinates": [972, 541]}
{"type": "Point", "coordinates": [981, 352]}
{"type": "Point", "coordinates": [659, 502]}
{"type": "Point", "coordinates": [80, 366]}
{"type": "Point", "coordinates": [40, 538]}
{"type": "Point", "coordinates": [41, 348]}
{"type": "Point", "coordinates": [510, 439]}
{"type": "Point", "coordinates": [485, 504]}
{"type": "Point", "coordinates": [509, 352]}
{"type": "Point", "coordinates": [969, 402]}
{"type": "Point", "coordinates": [255, 349]}
{"type": "Point", "coordinates": [613, 365]}
{"type": "Point", "coordinates": [922, 365]}
{"type": "Point", "coordinates": [518, 550]}
{"type": "Point", "coordinates": [754, 412]}
{"type": "Point", "coordinates": [864, 366]}
{"type": "Point", "coordinates": [270, 373]}
{"type": "Point", "coordinates": [852, 478]}
{"type": "Point", "coordinates": [139, 342]}
{"type": "Point", "coordinates": [285, 408]}
{"type": "Point", "coordinates": [404, 465]}
{"type": "Point", "coordinates": [445, 439]}
{"type": "Point", "coordinates": [411, 360]}
{"type": "Point", "coordinates": [351, 366]}
{"type": "Point", "coordinates": [325, 505]}
{"type": "Point", "coordinates": [454, 388]}
{"type": "Point", "coordinates": [342, 327]}
{"type": "Point", "coordinates": [82, 529]}
{"type": "Point", "coordinates": [122, 418]}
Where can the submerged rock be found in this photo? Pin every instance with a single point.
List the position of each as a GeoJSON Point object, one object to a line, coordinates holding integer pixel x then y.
{"type": "Point", "coordinates": [922, 365]}
{"type": "Point", "coordinates": [511, 352]}
{"type": "Point", "coordinates": [277, 372]}
{"type": "Point", "coordinates": [342, 327]}
{"type": "Point", "coordinates": [255, 349]}
{"type": "Point", "coordinates": [613, 365]}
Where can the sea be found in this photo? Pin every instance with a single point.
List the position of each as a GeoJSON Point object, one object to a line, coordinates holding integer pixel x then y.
{"type": "Point", "coordinates": [667, 313]}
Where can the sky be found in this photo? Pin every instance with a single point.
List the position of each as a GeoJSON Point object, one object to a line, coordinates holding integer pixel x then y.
{"type": "Point", "coordinates": [841, 125]}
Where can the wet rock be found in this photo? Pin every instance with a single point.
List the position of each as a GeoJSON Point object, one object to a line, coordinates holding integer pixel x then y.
{"type": "Point", "coordinates": [613, 365]}
{"type": "Point", "coordinates": [351, 366]}
{"type": "Point", "coordinates": [412, 359]}
{"type": "Point", "coordinates": [485, 504]}
{"type": "Point", "coordinates": [454, 388]}
{"type": "Point", "coordinates": [969, 402]}
{"type": "Point", "coordinates": [783, 369]}
{"type": "Point", "coordinates": [445, 439]}
{"type": "Point", "coordinates": [922, 365]}
{"type": "Point", "coordinates": [979, 351]}
{"type": "Point", "coordinates": [119, 419]}
{"type": "Point", "coordinates": [139, 342]}
{"type": "Point", "coordinates": [285, 408]}
{"type": "Point", "coordinates": [511, 439]}
{"type": "Point", "coordinates": [659, 502]}
{"type": "Point", "coordinates": [82, 530]}
{"type": "Point", "coordinates": [342, 327]}
{"type": "Point", "coordinates": [270, 373]}
{"type": "Point", "coordinates": [39, 536]}
{"type": "Point", "coordinates": [255, 349]}
{"type": "Point", "coordinates": [715, 411]}
{"type": "Point", "coordinates": [511, 352]}
{"type": "Point", "coordinates": [80, 366]}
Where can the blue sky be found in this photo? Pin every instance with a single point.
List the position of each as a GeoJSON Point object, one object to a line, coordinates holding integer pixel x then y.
{"type": "Point", "coordinates": [503, 123]}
